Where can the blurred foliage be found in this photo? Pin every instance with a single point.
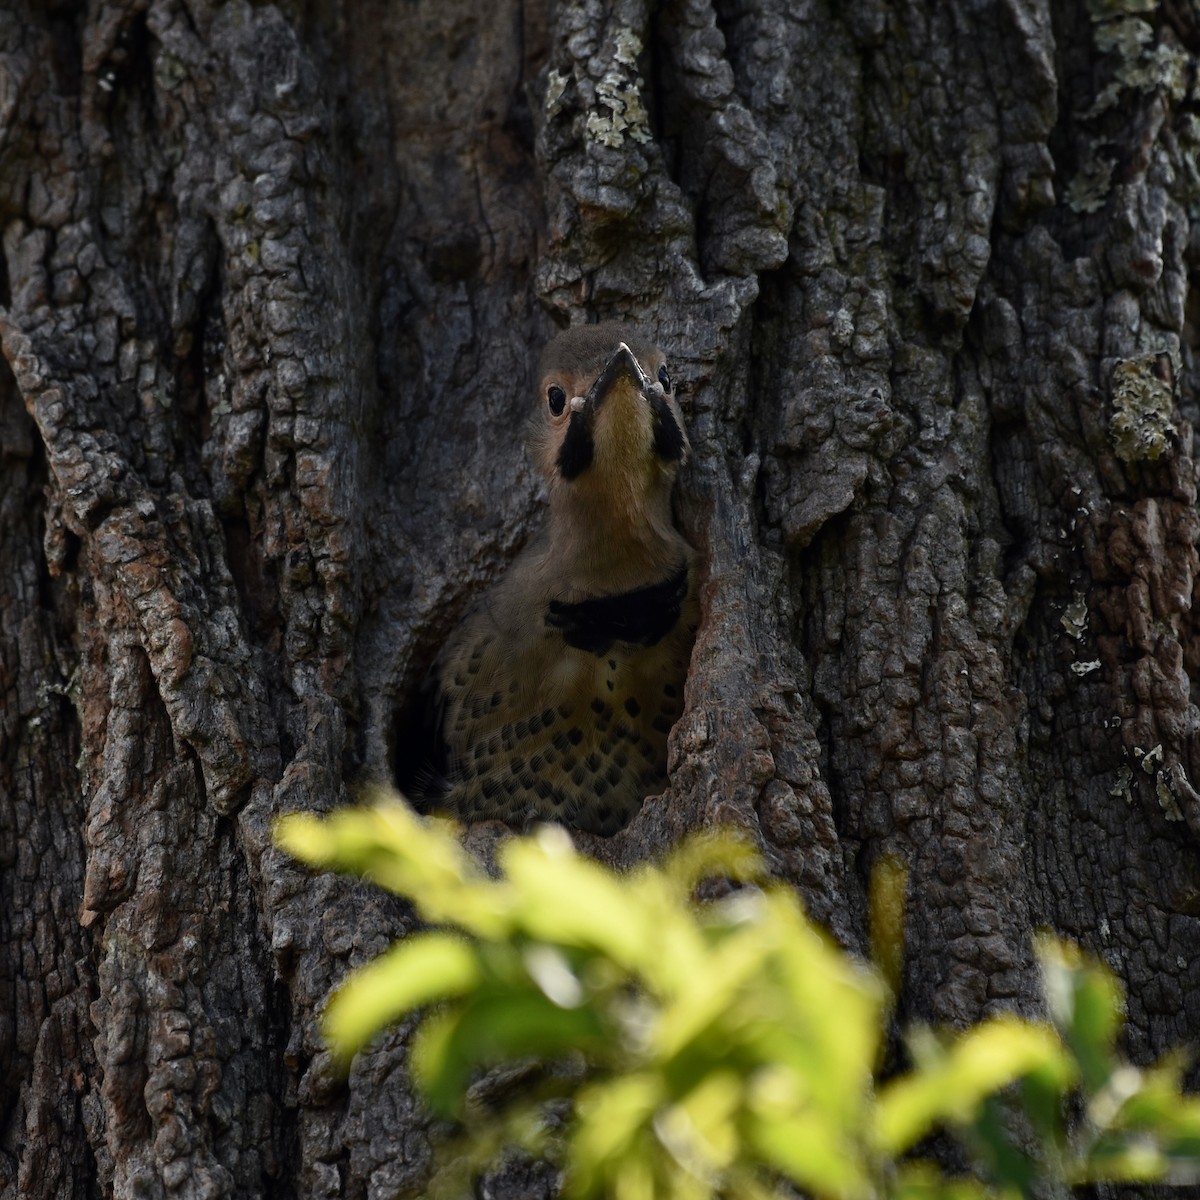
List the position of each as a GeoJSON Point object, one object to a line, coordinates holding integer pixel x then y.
{"type": "Point", "coordinates": [659, 1048]}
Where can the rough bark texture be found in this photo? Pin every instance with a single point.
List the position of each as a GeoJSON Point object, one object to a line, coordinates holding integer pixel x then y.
{"type": "Point", "coordinates": [275, 276]}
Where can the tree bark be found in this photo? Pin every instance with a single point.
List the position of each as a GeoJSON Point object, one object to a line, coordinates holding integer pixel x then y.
{"type": "Point", "coordinates": [275, 277]}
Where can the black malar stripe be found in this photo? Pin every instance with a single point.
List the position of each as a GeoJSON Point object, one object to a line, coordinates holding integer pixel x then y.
{"type": "Point", "coordinates": [577, 450]}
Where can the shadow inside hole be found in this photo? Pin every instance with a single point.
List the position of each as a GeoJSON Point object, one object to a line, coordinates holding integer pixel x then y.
{"type": "Point", "coordinates": [419, 758]}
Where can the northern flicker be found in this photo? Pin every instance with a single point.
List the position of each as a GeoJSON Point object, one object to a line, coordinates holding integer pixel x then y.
{"type": "Point", "coordinates": [554, 697]}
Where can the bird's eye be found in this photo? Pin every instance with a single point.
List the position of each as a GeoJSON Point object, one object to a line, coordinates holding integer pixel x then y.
{"type": "Point", "coordinates": [664, 379]}
{"type": "Point", "coordinates": [557, 399]}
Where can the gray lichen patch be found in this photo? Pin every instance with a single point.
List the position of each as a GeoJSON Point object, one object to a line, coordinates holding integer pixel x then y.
{"type": "Point", "coordinates": [1089, 190]}
{"type": "Point", "coordinates": [1146, 62]}
{"type": "Point", "coordinates": [1144, 65]}
{"type": "Point", "coordinates": [1106, 10]}
{"type": "Point", "coordinates": [1150, 759]}
{"type": "Point", "coordinates": [1075, 617]}
{"type": "Point", "coordinates": [1188, 135]}
{"type": "Point", "coordinates": [556, 86]}
{"type": "Point", "coordinates": [1141, 428]}
{"type": "Point", "coordinates": [1166, 797]}
{"type": "Point", "coordinates": [619, 91]}
{"type": "Point", "coordinates": [1121, 789]}
{"type": "Point", "coordinates": [1139, 58]}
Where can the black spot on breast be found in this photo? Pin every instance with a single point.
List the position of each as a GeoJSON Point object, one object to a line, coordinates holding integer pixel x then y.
{"type": "Point", "coordinates": [632, 707]}
{"type": "Point", "coordinates": [643, 616]}
{"type": "Point", "coordinates": [661, 724]}
{"type": "Point", "coordinates": [574, 736]}
{"type": "Point", "coordinates": [547, 719]}
{"type": "Point", "coordinates": [600, 787]}
{"type": "Point", "coordinates": [562, 741]}
{"type": "Point", "coordinates": [577, 450]}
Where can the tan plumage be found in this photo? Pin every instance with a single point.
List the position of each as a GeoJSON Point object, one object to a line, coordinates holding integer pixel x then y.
{"type": "Point", "coordinates": [555, 695]}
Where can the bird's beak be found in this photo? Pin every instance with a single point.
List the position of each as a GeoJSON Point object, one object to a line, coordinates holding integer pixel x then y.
{"type": "Point", "coordinates": [622, 368]}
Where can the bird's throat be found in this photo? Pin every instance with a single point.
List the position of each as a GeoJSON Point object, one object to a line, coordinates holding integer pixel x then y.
{"type": "Point", "coordinates": [606, 540]}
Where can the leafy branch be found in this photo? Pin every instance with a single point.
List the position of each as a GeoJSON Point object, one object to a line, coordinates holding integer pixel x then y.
{"type": "Point", "coordinates": [724, 1049]}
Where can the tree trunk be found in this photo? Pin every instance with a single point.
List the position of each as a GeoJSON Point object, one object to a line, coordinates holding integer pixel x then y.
{"type": "Point", "coordinates": [275, 276]}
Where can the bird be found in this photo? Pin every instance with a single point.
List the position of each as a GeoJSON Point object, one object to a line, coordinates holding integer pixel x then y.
{"type": "Point", "coordinates": [553, 698]}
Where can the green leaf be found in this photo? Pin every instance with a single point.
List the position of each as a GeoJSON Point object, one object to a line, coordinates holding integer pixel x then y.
{"type": "Point", "coordinates": [924, 1181]}
{"type": "Point", "coordinates": [829, 1009]}
{"type": "Point", "coordinates": [304, 836]}
{"type": "Point", "coordinates": [711, 854]}
{"type": "Point", "coordinates": [700, 1129]}
{"type": "Point", "coordinates": [498, 1025]}
{"type": "Point", "coordinates": [815, 1153]}
{"type": "Point", "coordinates": [572, 901]}
{"type": "Point", "coordinates": [1123, 1159]}
{"type": "Point", "coordinates": [416, 971]}
{"type": "Point", "coordinates": [415, 857]}
{"type": "Point", "coordinates": [1085, 1003]}
{"type": "Point", "coordinates": [1004, 1160]}
{"type": "Point", "coordinates": [1042, 1101]}
{"type": "Point", "coordinates": [387, 840]}
{"type": "Point", "coordinates": [730, 968]}
{"type": "Point", "coordinates": [951, 1084]}
{"type": "Point", "coordinates": [1147, 1128]}
{"type": "Point", "coordinates": [612, 1136]}
{"type": "Point", "coordinates": [438, 1070]}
